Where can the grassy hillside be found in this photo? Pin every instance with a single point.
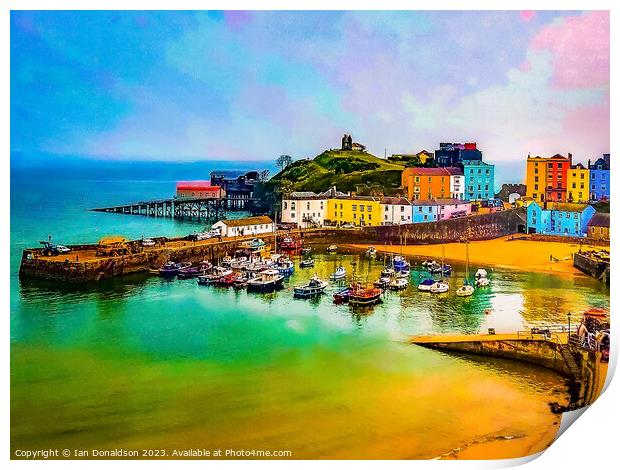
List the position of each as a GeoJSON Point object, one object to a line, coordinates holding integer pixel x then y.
{"type": "Point", "coordinates": [344, 169]}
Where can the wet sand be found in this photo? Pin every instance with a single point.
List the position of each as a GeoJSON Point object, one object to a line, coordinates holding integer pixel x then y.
{"type": "Point", "coordinates": [524, 255]}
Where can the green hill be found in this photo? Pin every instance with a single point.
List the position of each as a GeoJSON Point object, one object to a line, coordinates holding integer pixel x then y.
{"type": "Point", "coordinates": [345, 169]}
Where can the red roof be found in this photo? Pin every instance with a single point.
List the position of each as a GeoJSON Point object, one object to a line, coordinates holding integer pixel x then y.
{"type": "Point", "coordinates": [443, 171]}
{"type": "Point", "coordinates": [196, 186]}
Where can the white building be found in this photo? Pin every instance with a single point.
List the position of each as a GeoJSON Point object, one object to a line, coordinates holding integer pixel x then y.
{"type": "Point", "coordinates": [246, 226]}
{"type": "Point", "coordinates": [306, 208]}
{"type": "Point", "coordinates": [457, 187]}
{"type": "Point", "coordinates": [396, 211]}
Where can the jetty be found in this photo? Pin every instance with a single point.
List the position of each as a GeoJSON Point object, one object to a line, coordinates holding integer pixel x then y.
{"type": "Point", "coordinates": [200, 209]}
{"type": "Point", "coordinates": [594, 264]}
{"type": "Point", "coordinates": [551, 347]}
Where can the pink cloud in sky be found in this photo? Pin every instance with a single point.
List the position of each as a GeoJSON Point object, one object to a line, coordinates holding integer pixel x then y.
{"type": "Point", "coordinates": [527, 15]}
{"type": "Point", "coordinates": [236, 19]}
{"type": "Point", "coordinates": [580, 48]}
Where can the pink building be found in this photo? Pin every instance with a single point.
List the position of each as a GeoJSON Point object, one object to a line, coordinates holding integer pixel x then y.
{"type": "Point", "coordinates": [452, 208]}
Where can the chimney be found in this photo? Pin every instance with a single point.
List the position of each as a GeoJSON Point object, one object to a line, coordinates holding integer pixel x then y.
{"type": "Point", "coordinates": [570, 158]}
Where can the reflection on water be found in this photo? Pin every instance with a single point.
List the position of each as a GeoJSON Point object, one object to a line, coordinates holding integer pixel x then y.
{"type": "Point", "coordinates": [144, 362]}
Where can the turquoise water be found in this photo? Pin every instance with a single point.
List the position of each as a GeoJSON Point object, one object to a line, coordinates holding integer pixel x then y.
{"type": "Point", "coordinates": [139, 362]}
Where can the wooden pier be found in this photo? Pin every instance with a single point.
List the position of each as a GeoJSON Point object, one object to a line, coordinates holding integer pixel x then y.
{"type": "Point", "coordinates": [207, 209]}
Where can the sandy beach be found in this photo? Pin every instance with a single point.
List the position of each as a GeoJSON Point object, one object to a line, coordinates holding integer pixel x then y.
{"type": "Point", "coordinates": [502, 252]}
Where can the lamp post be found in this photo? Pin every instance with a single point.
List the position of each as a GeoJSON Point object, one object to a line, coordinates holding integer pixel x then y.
{"type": "Point", "coordinates": [569, 325]}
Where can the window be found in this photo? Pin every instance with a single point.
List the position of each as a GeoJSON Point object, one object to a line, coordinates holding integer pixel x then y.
{"type": "Point", "coordinates": [308, 205]}
{"type": "Point", "coordinates": [361, 208]}
{"type": "Point", "coordinates": [285, 205]}
{"type": "Point", "coordinates": [369, 208]}
{"type": "Point", "coordinates": [402, 208]}
{"type": "Point", "coordinates": [293, 215]}
{"type": "Point", "coordinates": [354, 207]}
{"type": "Point", "coordinates": [369, 216]}
{"type": "Point", "coordinates": [355, 216]}
{"type": "Point", "coordinates": [386, 209]}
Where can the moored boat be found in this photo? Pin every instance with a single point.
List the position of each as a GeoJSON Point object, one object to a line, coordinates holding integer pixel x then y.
{"type": "Point", "coordinates": [332, 248]}
{"type": "Point", "coordinates": [425, 285]}
{"type": "Point", "coordinates": [266, 281]}
{"type": "Point", "coordinates": [306, 263]}
{"type": "Point", "coordinates": [439, 287]}
{"type": "Point", "coordinates": [339, 274]}
{"type": "Point", "coordinates": [342, 296]}
{"type": "Point", "coordinates": [482, 282]}
{"type": "Point", "coordinates": [481, 273]}
{"type": "Point", "coordinates": [382, 282]}
{"type": "Point", "coordinates": [399, 283]}
{"type": "Point", "coordinates": [285, 267]}
{"type": "Point", "coordinates": [360, 295]}
{"type": "Point", "coordinates": [315, 286]}
{"type": "Point", "coordinates": [466, 289]}
{"type": "Point", "coordinates": [371, 251]}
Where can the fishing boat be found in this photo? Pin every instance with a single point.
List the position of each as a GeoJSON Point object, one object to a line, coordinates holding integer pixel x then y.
{"type": "Point", "coordinates": [339, 274]}
{"type": "Point", "coordinates": [315, 286]}
{"type": "Point", "coordinates": [169, 269]}
{"type": "Point", "coordinates": [306, 263]}
{"type": "Point", "coordinates": [371, 251]}
{"type": "Point", "coordinates": [266, 281]}
{"type": "Point", "coordinates": [363, 296]}
{"type": "Point", "coordinates": [466, 289]}
{"type": "Point", "coordinates": [285, 267]}
{"type": "Point", "coordinates": [190, 272]}
{"type": "Point", "coordinates": [290, 244]}
{"type": "Point", "coordinates": [226, 281]}
{"type": "Point", "coordinates": [426, 284]}
{"type": "Point", "coordinates": [399, 283]}
{"type": "Point", "coordinates": [332, 248]}
{"type": "Point", "coordinates": [342, 296]}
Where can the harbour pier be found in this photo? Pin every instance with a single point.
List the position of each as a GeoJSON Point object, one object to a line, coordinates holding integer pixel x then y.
{"type": "Point", "coordinates": [202, 209]}
{"type": "Point", "coordinates": [553, 348]}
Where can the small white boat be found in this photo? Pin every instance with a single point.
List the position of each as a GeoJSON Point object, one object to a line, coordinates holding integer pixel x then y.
{"type": "Point", "coordinates": [306, 263]}
{"type": "Point", "coordinates": [425, 285]}
{"type": "Point", "coordinates": [388, 272]}
{"type": "Point", "coordinates": [266, 281]}
{"type": "Point", "coordinates": [339, 274]}
{"type": "Point", "coordinates": [383, 282]}
{"type": "Point", "coordinates": [439, 287]}
{"type": "Point", "coordinates": [372, 251]}
{"type": "Point", "coordinates": [404, 273]}
{"type": "Point", "coordinates": [481, 273]}
{"type": "Point", "coordinates": [399, 283]}
{"type": "Point", "coordinates": [332, 248]}
{"type": "Point", "coordinates": [482, 282]}
{"type": "Point", "coordinates": [465, 290]}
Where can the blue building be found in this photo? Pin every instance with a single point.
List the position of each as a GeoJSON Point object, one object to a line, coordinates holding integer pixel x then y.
{"type": "Point", "coordinates": [424, 210]}
{"type": "Point", "coordinates": [479, 180]}
{"type": "Point", "coordinates": [559, 218]}
{"type": "Point", "coordinates": [599, 179]}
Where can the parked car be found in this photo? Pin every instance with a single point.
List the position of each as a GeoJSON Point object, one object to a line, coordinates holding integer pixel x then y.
{"type": "Point", "coordinates": [62, 249]}
{"type": "Point", "coordinates": [148, 242]}
{"type": "Point", "coordinates": [347, 225]}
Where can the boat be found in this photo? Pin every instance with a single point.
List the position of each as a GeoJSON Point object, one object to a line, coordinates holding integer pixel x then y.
{"type": "Point", "coordinates": [285, 267]}
{"type": "Point", "coordinates": [266, 281]}
{"type": "Point", "coordinates": [226, 260]}
{"type": "Point", "coordinates": [306, 250]}
{"type": "Point", "coordinates": [339, 274]}
{"type": "Point", "coordinates": [388, 272]}
{"type": "Point", "coordinates": [428, 262]}
{"type": "Point", "coordinates": [399, 283]}
{"type": "Point", "coordinates": [426, 284]}
{"type": "Point", "coordinates": [404, 273]}
{"type": "Point", "coordinates": [315, 286]}
{"type": "Point", "coordinates": [481, 273]}
{"type": "Point", "coordinates": [382, 282]}
{"type": "Point", "coordinates": [342, 296]}
{"type": "Point", "coordinates": [189, 272]}
{"type": "Point", "coordinates": [306, 263]}
{"type": "Point", "coordinates": [332, 248]}
{"type": "Point", "coordinates": [439, 287]}
{"type": "Point", "coordinates": [482, 282]}
{"type": "Point", "coordinates": [437, 268]}
{"type": "Point", "coordinates": [371, 251]}
{"type": "Point", "coordinates": [466, 289]}
{"type": "Point", "coordinates": [226, 281]}
{"type": "Point", "coordinates": [169, 269]}
{"type": "Point", "coordinates": [362, 296]}
{"type": "Point", "coordinates": [399, 263]}
{"type": "Point", "coordinates": [290, 244]}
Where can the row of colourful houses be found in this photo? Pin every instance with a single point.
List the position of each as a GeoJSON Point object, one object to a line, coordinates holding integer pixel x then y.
{"type": "Point", "coordinates": [334, 208]}
{"type": "Point", "coordinates": [557, 179]}
{"type": "Point", "coordinates": [470, 179]}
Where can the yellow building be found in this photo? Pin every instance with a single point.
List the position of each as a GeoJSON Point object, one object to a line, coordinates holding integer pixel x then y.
{"type": "Point", "coordinates": [354, 210]}
{"type": "Point", "coordinates": [536, 178]}
{"type": "Point", "coordinates": [578, 184]}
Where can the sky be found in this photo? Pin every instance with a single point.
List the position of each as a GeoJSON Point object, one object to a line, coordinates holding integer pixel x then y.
{"type": "Point", "coordinates": [253, 85]}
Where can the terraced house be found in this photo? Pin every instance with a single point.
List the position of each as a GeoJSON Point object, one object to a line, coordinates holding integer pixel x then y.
{"type": "Point", "coordinates": [361, 211]}
{"type": "Point", "coordinates": [396, 211]}
{"type": "Point", "coordinates": [557, 218]}
{"type": "Point", "coordinates": [307, 208]}
{"type": "Point", "coordinates": [479, 180]}
{"type": "Point", "coordinates": [578, 184]}
{"type": "Point", "coordinates": [599, 178]}
{"type": "Point", "coordinates": [428, 183]}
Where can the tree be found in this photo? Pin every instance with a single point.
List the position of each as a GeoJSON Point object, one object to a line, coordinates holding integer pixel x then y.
{"type": "Point", "coordinates": [283, 161]}
{"type": "Point", "coordinates": [263, 176]}
{"type": "Point", "coordinates": [285, 187]}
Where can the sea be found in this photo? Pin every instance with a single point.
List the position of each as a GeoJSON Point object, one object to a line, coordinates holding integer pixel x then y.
{"type": "Point", "coordinates": [141, 363]}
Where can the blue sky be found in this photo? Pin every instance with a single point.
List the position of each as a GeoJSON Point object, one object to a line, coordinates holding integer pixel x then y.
{"type": "Point", "coordinates": [254, 85]}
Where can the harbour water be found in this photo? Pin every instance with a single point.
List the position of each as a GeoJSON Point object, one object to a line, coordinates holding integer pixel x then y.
{"type": "Point", "coordinates": [143, 363]}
